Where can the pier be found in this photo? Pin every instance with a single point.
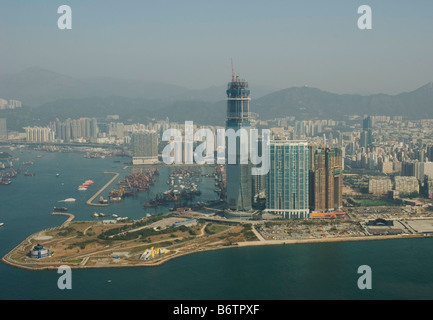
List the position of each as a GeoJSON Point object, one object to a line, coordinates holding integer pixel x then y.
{"type": "Point", "coordinates": [90, 201]}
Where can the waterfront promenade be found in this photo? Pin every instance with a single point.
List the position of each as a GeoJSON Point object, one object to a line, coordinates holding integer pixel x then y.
{"type": "Point", "coordinates": [68, 221]}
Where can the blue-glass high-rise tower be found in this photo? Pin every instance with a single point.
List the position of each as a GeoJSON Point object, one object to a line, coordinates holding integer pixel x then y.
{"type": "Point", "coordinates": [239, 180]}
{"type": "Point", "coordinates": [287, 181]}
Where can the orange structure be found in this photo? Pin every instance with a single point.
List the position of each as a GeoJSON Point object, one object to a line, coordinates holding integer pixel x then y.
{"type": "Point", "coordinates": [328, 215]}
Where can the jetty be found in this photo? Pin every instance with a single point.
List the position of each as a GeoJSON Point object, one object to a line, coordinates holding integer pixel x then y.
{"type": "Point", "coordinates": [90, 201]}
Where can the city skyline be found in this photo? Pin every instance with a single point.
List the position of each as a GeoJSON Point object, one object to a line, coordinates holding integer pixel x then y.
{"type": "Point", "coordinates": [216, 150]}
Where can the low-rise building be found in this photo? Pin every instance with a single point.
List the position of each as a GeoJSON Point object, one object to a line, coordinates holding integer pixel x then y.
{"type": "Point", "coordinates": [39, 252]}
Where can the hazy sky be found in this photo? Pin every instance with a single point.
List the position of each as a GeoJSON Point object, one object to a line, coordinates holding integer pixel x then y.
{"type": "Point", "coordinates": [190, 43]}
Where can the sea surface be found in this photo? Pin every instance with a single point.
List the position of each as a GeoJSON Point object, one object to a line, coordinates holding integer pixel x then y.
{"type": "Point", "coordinates": [401, 269]}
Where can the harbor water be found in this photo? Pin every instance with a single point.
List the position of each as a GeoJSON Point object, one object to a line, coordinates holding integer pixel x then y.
{"type": "Point", "coordinates": [401, 269]}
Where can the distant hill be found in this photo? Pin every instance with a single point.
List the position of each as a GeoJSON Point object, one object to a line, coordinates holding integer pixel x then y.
{"type": "Point", "coordinates": [308, 103]}
{"type": "Point", "coordinates": [218, 93]}
{"type": "Point", "coordinates": [36, 86]}
{"type": "Point", "coordinates": [301, 102]}
{"type": "Point", "coordinates": [56, 95]}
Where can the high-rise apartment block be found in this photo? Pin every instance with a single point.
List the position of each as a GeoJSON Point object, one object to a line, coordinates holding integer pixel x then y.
{"type": "Point", "coordinates": [326, 180]}
{"type": "Point", "coordinates": [287, 185]}
{"type": "Point", "coordinates": [379, 185]}
{"type": "Point", "coordinates": [39, 134]}
{"type": "Point", "coordinates": [3, 130]}
{"type": "Point", "coordinates": [144, 147]}
{"type": "Point", "coordinates": [406, 185]}
{"type": "Point", "coordinates": [367, 133]}
{"type": "Point", "coordinates": [73, 129]}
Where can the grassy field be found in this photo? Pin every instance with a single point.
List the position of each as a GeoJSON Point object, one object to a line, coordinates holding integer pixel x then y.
{"type": "Point", "coordinates": [98, 243]}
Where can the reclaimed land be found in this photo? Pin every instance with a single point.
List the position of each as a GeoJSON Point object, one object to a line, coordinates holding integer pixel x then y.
{"type": "Point", "coordinates": [90, 244]}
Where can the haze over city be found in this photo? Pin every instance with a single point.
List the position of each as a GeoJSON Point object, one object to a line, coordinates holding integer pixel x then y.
{"type": "Point", "coordinates": [277, 44]}
{"type": "Point", "coordinates": [180, 149]}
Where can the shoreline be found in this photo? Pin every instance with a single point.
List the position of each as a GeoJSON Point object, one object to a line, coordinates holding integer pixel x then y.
{"type": "Point", "coordinates": [55, 265]}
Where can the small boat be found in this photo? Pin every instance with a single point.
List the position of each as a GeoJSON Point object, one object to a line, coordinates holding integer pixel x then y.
{"type": "Point", "coordinates": [69, 200]}
{"type": "Point", "coordinates": [1, 224]}
{"type": "Point", "coordinates": [115, 216]}
{"type": "Point", "coordinates": [57, 175]}
{"type": "Point", "coordinates": [62, 209]}
{"type": "Point", "coordinates": [102, 200]}
{"type": "Point", "coordinates": [102, 214]}
{"type": "Point", "coordinates": [149, 205]}
{"type": "Point", "coordinates": [5, 182]}
{"type": "Point", "coordinates": [82, 189]}
{"type": "Point", "coordinates": [95, 215]}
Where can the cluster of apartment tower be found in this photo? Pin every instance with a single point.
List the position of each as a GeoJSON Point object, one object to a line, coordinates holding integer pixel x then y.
{"type": "Point", "coordinates": [302, 178]}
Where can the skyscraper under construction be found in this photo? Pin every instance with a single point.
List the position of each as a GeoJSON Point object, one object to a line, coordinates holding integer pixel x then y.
{"type": "Point", "coordinates": [239, 180]}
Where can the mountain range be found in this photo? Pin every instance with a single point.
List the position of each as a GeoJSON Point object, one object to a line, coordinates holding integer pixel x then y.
{"type": "Point", "coordinates": [49, 95]}
{"type": "Point", "coordinates": [35, 86]}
